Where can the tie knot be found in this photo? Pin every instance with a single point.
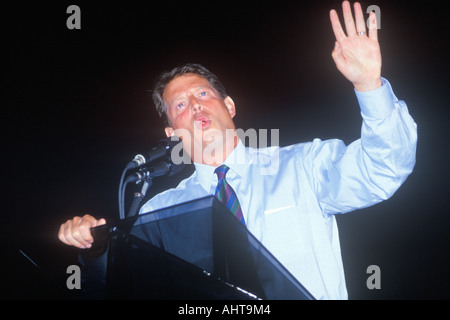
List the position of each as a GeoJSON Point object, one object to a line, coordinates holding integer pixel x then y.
{"type": "Point", "coordinates": [221, 171]}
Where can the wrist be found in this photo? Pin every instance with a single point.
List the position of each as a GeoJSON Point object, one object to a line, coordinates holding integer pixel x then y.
{"type": "Point", "coordinates": [368, 85]}
{"type": "Point", "coordinates": [377, 104]}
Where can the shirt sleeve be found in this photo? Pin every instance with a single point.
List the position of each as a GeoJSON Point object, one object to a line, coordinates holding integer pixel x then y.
{"type": "Point", "coordinates": [372, 168]}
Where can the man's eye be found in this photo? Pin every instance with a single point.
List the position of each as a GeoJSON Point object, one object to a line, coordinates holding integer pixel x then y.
{"type": "Point", "coordinates": [203, 93]}
{"type": "Point", "coordinates": [180, 105]}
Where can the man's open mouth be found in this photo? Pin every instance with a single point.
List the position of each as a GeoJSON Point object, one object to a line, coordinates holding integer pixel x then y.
{"type": "Point", "coordinates": [202, 123]}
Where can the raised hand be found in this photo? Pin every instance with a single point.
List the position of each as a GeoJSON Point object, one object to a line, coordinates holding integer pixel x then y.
{"type": "Point", "coordinates": [357, 56]}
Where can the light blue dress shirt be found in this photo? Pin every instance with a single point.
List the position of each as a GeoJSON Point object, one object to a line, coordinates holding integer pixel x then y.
{"type": "Point", "coordinates": [289, 195]}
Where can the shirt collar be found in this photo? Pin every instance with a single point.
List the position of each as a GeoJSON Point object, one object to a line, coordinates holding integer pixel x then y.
{"type": "Point", "coordinates": [236, 160]}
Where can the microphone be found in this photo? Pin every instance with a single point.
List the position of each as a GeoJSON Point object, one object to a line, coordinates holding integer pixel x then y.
{"type": "Point", "coordinates": [156, 169]}
{"type": "Point", "coordinates": [162, 149]}
{"type": "Point", "coordinates": [145, 174]}
{"type": "Point", "coordinates": [147, 169]}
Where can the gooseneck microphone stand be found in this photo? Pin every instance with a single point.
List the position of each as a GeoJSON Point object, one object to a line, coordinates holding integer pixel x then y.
{"type": "Point", "coordinates": [156, 164]}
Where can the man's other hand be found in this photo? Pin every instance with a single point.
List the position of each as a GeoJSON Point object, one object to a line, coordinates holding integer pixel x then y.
{"type": "Point", "coordinates": [77, 231]}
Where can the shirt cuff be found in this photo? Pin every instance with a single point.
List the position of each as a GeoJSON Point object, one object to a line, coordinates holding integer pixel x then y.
{"type": "Point", "coordinates": [378, 103]}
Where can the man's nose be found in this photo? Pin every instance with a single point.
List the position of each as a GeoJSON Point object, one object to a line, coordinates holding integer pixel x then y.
{"type": "Point", "coordinates": [195, 104]}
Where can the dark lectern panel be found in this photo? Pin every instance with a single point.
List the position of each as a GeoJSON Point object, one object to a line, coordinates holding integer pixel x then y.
{"type": "Point", "coordinates": [195, 250]}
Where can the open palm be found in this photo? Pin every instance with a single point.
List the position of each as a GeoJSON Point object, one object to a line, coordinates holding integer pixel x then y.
{"type": "Point", "coordinates": [357, 56]}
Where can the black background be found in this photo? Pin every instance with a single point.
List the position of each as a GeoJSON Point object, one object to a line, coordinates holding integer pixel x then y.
{"type": "Point", "coordinates": [78, 108]}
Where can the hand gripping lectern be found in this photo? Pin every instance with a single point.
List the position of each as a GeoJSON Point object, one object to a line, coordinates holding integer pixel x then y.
{"type": "Point", "coordinates": [195, 250]}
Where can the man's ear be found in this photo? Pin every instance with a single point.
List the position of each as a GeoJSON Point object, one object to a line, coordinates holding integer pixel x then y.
{"type": "Point", "coordinates": [169, 131]}
{"type": "Point", "coordinates": [229, 103]}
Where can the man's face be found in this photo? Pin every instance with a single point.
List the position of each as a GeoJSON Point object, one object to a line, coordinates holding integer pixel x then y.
{"type": "Point", "coordinates": [198, 114]}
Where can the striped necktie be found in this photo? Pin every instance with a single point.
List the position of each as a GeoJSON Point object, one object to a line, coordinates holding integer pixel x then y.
{"type": "Point", "coordinates": [226, 194]}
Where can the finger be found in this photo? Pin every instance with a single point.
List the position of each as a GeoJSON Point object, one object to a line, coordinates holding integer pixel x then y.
{"type": "Point", "coordinates": [359, 18]}
{"type": "Point", "coordinates": [84, 230]}
{"type": "Point", "coordinates": [337, 55]}
{"type": "Point", "coordinates": [373, 27]}
{"type": "Point", "coordinates": [83, 233]}
{"type": "Point", "coordinates": [61, 235]}
{"type": "Point", "coordinates": [64, 233]}
{"type": "Point", "coordinates": [77, 232]}
{"type": "Point", "coordinates": [348, 19]}
{"type": "Point", "coordinates": [68, 235]}
{"type": "Point", "coordinates": [336, 25]}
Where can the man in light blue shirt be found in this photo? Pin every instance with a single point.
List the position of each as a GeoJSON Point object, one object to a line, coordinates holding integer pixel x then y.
{"type": "Point", "coordinates": [289, 195]}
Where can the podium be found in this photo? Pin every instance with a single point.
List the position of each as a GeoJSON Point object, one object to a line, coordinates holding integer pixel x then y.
{"type": "Point", "coordinates": [193, 251]}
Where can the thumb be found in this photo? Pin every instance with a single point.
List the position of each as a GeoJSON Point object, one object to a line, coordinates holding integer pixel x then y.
{"type": "Point", "coordinates": [98, 222]}
{"type": "Point", "coordinates": [337, 55]}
